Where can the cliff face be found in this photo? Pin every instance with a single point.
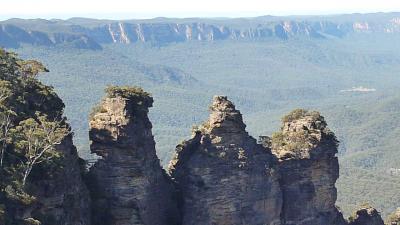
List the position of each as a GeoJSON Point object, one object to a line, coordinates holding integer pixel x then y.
{"type": "Point", "coordinates": [90, 34]}
{"type": "Point", "coordinates": [128, 185]}
{"type": "Point", "coordinates": [309, 169]}
{"type": "Point", "coordinates": [63, 198]}
{"type": "Point", "coordinates": [224, 176]}
{"type": "Point", "coordinates": [12, 36]}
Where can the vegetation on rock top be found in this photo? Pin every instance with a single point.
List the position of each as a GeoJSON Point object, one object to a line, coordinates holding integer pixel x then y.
{"type": "Point", "coordinates": [299, 114]}
{"type": "Point", "coordinates": [301, 131]}
{"type": "Point", "coordinates": [135, 94]}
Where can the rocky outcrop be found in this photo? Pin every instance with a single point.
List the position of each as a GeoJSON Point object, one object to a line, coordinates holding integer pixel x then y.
{"type": "Point", "coordinates": [394, 218]}
{"type": "Point", "coordinates": [308, 168]}
{"type": "Point", "coordinates": [127, 184]}
{"type": "Point", "coordinates": [224, 177]}
{"type": "Point", "coordinates": [366, 215]}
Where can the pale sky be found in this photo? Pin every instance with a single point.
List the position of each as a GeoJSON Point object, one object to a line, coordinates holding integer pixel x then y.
{"type": "Point", "coordinates": [125, 9]}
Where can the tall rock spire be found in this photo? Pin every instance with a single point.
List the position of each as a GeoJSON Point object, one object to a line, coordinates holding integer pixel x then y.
{"type": "Point", "coordinates": [224, 177]}
{"type": "Point", "coordinates": [128, 185]}
{"type": "Point", "coordinates": [308, 168]}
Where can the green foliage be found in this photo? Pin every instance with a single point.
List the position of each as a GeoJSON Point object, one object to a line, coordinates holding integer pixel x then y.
{"type": "Point", "coordinates": [21, 92]}
{"type": "Point", "coordinates": [300, 113]}
{"type": "Point", "coordinates": [15, 194]}
{"type": "Point", "coordinates": [31, 68]}
{"type": "Point", "coordinates": [31, 126]}
{"type": "Point", "coordinates": [137, 94]}
{"type": "Point", "coordinates": [292, 142]}
{"type": "Point", "coordinates": [36, 141]}
{"type": "Point", "coordinates": [295, 141]}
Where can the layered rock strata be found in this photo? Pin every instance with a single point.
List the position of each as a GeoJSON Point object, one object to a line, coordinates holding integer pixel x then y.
{"type": "Point", "coordinates": [308, 167]}
{"type": "Point", "coordinates": [224, 177]}
{"type": "Point", "coordinates": [128, 185]}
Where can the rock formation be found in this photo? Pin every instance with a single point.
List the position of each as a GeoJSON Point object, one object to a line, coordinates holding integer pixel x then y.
{"type": "Point", "coordinates": [366, 216]}
{"type": "Point", "coordinates": [394, 218]}
{"type": "Point", "coordinates": [308, 168]}
{"type": "Point", "coordinates": [128, 185]}
{"type": "Point", "coordinates": [224, 177]}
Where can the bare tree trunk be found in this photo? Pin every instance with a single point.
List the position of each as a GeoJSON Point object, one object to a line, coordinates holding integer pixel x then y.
{"type": "Point", "coordinates": [3, 149]}
{"type": "Point", "coordinates": [5, 129]}
{"type": "Point", "coordinates": [26, 174]}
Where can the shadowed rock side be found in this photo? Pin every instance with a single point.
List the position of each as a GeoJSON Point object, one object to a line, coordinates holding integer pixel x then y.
{"type": "Point", "coordinates": [366, 216]}
{"type": "Point", "coordinates": [128, 185]}
{"type": "Point", "coordinates": [224, 177]}
{"type": "Point", "coordinates": [308, 168]}
{"type": "Point", "coordinates": [65, 198]}
{"type": "Point", "coordinates": [60, 198]}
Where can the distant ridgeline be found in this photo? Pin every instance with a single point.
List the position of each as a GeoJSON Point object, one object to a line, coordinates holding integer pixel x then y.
{"type": "Point", "coordinates": [220, 176]}
{"type": "Point", "coordinates": [91, 33]}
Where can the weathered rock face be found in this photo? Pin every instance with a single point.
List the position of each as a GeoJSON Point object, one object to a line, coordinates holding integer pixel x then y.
{"type": "Point", "coordinates": [128, 185]}
{"type": "Point", "coordinates": [62, 199]}
{"type": "Point", "coordinates": [366, 216]}
{"type": "Point", "coordinates": [394, 218]}
{"type": "Point", "coordinates": [309, 169]}
{"type": "Point", "coordinates": [224, 176]}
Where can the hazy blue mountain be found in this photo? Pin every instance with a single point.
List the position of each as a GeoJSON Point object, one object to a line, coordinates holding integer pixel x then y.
{"type": "Point", "coordinates": [90, 33]}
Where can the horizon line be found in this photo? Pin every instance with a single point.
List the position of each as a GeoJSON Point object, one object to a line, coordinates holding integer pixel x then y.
{"type": "Point", "coordinates": [199, 15]}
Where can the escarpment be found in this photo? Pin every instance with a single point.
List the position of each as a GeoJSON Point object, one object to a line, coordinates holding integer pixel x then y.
{"type": "Point", "coordinates": [128, 185]}
{"type": "Point", "coordinates": [225, 177]}
{"type": "Point", "coordinates": [308, 167]}
{"type": "Point", "coordinates": [91, 34]}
